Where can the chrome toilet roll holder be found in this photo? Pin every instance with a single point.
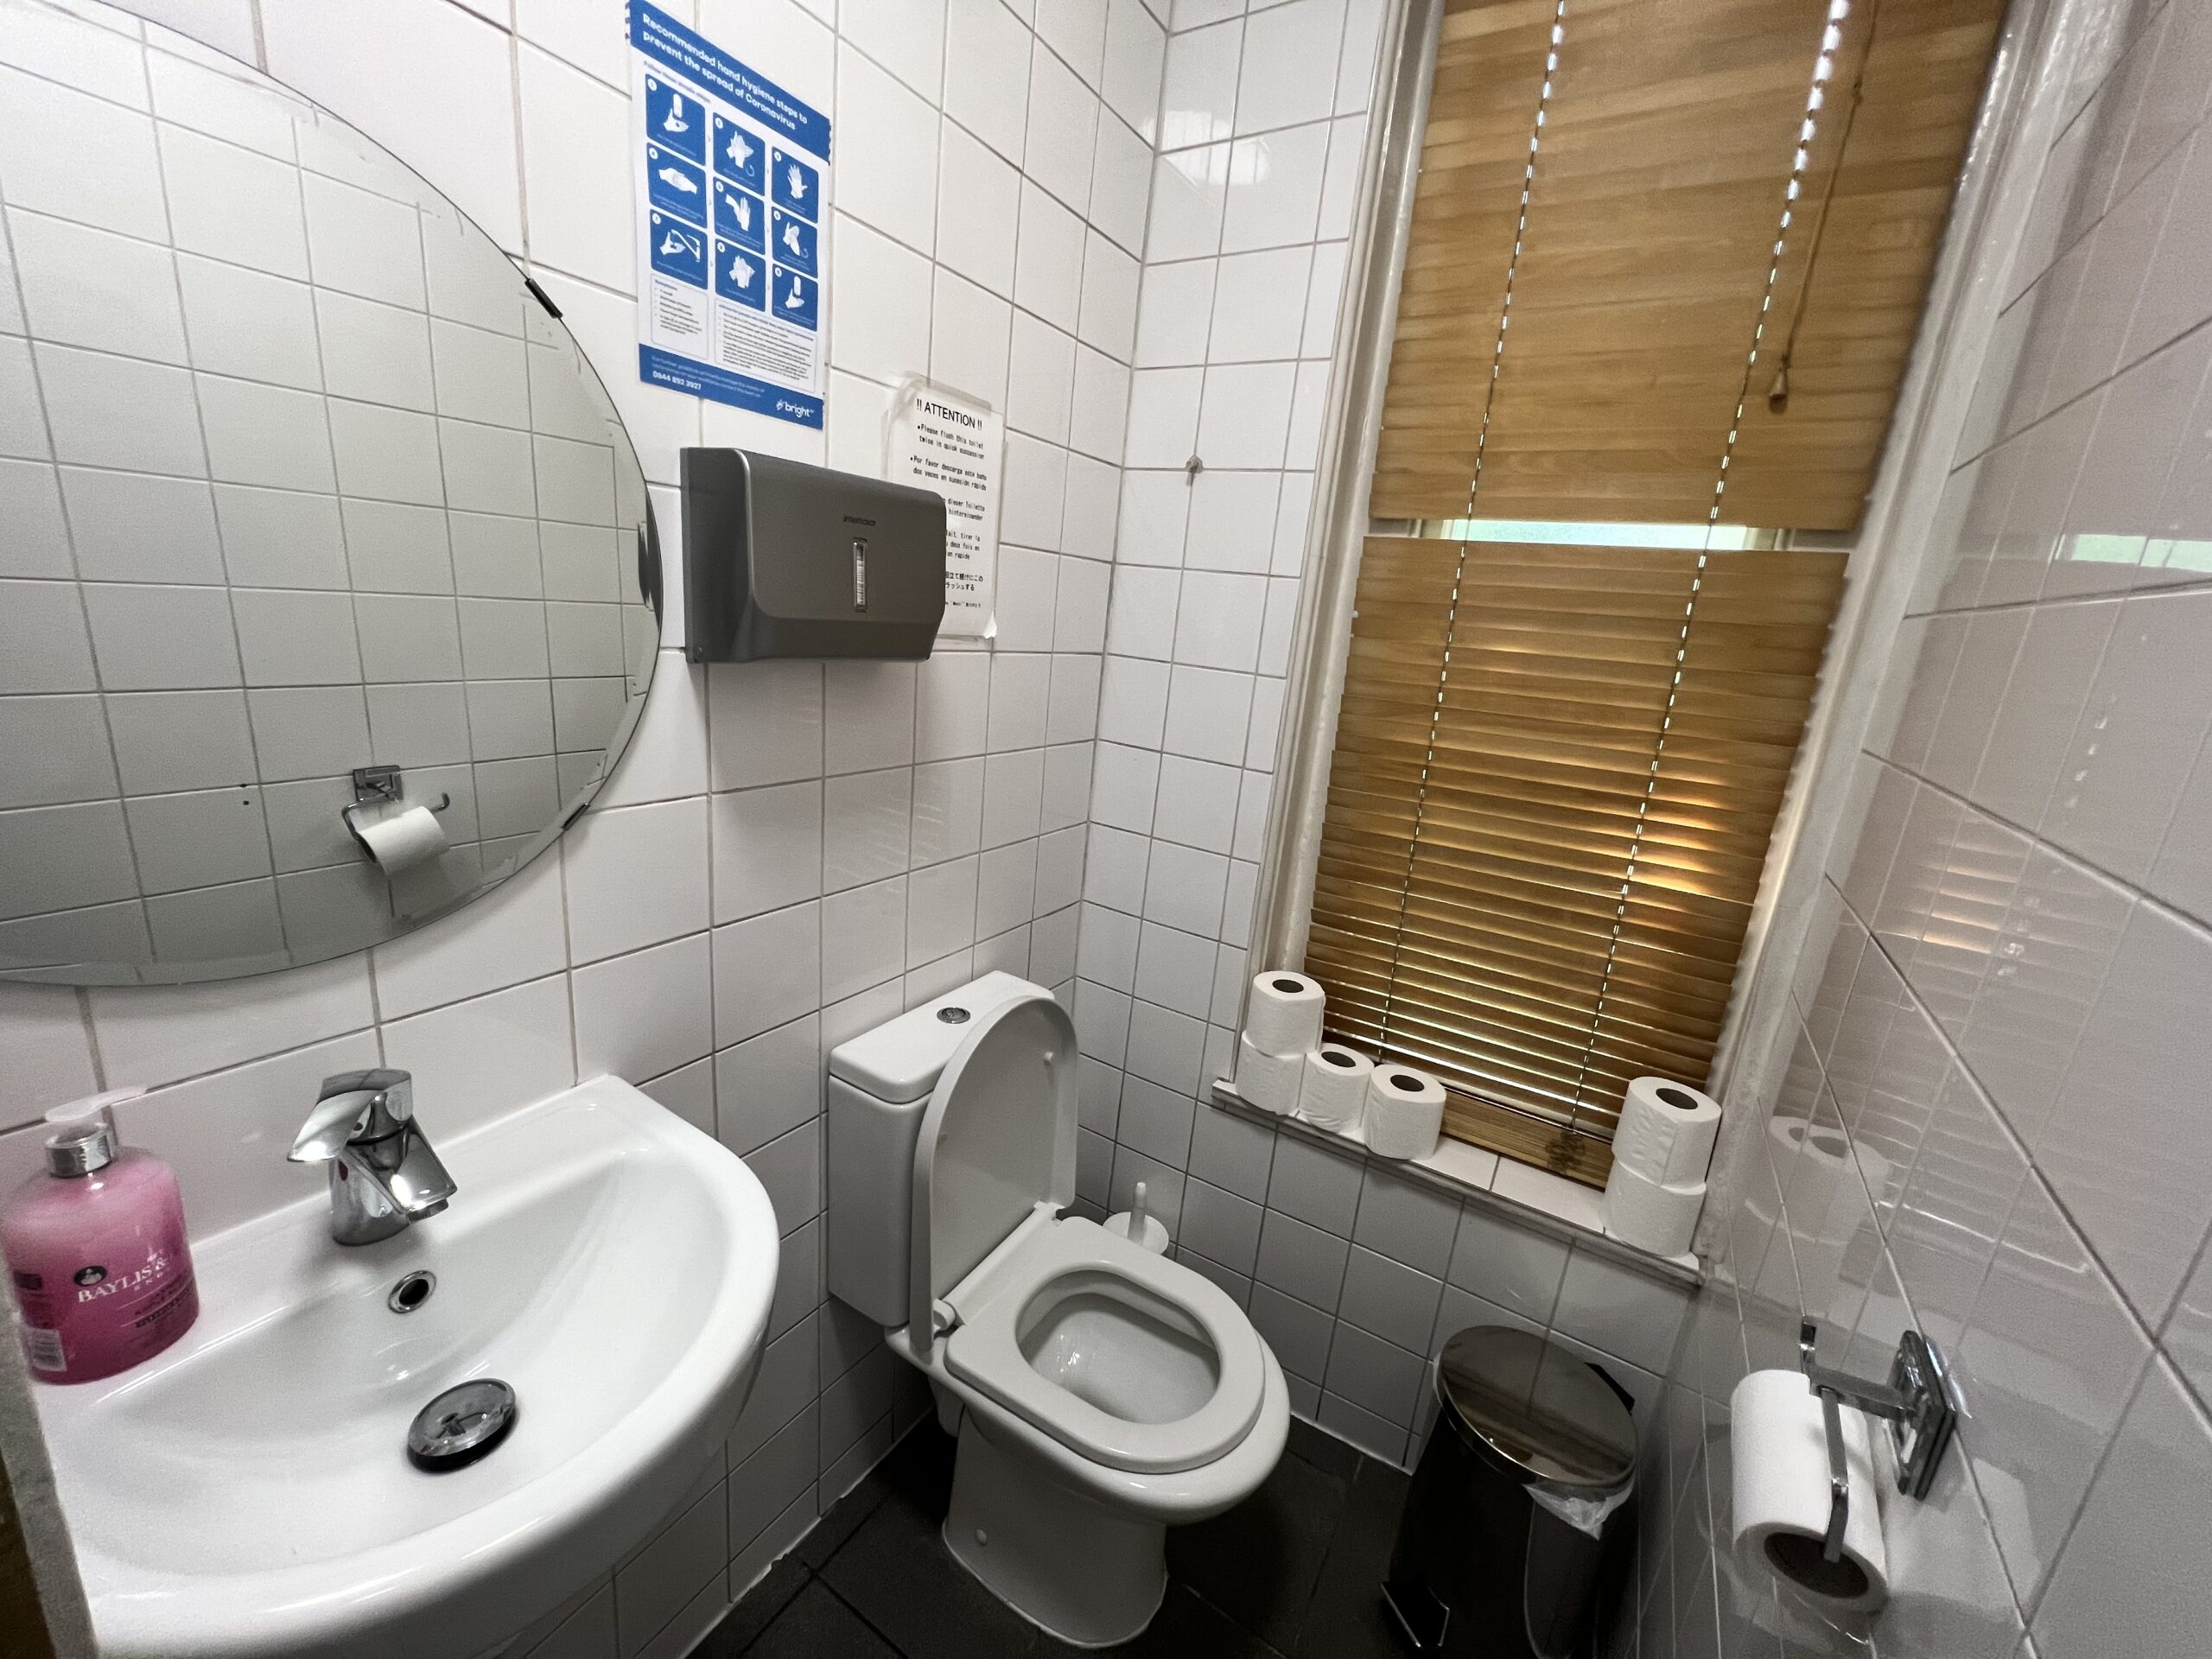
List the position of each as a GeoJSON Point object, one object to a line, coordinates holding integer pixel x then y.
{"type": "Point", "coordinates": [376, 787]}
{"type": "Point", "coordinates": [1918, 1401]}
{"type": "Point", "coordinates": [381, 785]}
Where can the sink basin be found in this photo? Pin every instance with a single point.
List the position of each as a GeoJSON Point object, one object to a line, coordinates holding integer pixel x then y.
{"type": "Point", "coordinates": [249, 1492]}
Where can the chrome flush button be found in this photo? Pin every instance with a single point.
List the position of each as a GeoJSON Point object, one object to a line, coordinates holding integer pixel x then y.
{"type": "Point", "coordinates": [953, 1016]}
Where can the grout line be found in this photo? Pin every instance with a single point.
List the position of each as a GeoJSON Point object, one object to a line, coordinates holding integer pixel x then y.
{"type": "Point", "coordinates": [2019, 1147]}
{"type": "Point", "coordinates": [54, 467]}
{"type": "Point", "coordinates": [2196, 584]}
{"type": "Point", "coordinates": [83, 998]}
{"type": "Point", "coordinates": [2137, 894]}
{"type": "Point", "coordinates": [2001, 437]}
{"type": "Point", "coordinates": [2028, 1608]}
{"type": "Point", "coordinates": [2157, 1348]}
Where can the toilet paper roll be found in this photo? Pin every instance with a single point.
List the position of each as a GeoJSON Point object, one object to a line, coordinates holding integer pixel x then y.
{"type": "Point", "coordinates": [1284, 1013]}
{"type": "Point", "coordinates": [1334, 1094]}
{"type": "Point", "coordinates": [1666, 1131]}
{"type": "Point", "coordinates": [1405, 1111]}
{"type": "Point", "coordinates": [1270, 1082]}
{"type": "Point", "coordinates": [1779, 1450]}
{"type": "Point", "coordinates": [1650, 1214]}
{"type": "Point", "coordinates": [397, 836]}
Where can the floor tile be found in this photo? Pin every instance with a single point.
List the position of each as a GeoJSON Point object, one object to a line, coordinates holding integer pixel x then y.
{"type": "Point", "coordinates": [1259, 1562]}
{"type": "Point", "coordinates": [1323, 1450]}
{"type": "Point", "coordinates": [816, 1626]}
{"type": "Point", "coordinates": [919, 1469]}
{"type": "Point", "coordinates": [1346, 1620]}
{"type": "Point", "coordinates": [1184, 1628]}
{"type": "Point", "coordinates": [844, 1520]}
{"type": "Point", "coordinates": [1294, 1570]}
{"type": "Point", "coordinates": [744, 1623]}
{"type": "Point", "coordinates": [896, 1571]}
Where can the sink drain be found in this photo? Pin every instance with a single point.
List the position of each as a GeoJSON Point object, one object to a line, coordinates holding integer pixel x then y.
{"type": "Point", "coordinates": [411, 1292]}
{"type": "Point", "coordinates": [461, 1425]}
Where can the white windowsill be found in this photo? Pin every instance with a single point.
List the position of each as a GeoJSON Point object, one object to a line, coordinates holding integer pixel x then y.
{"type": "Point", "coordinates": [1530, 1197]}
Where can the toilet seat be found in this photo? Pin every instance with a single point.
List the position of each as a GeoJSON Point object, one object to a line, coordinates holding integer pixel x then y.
{"type": "Point", "coordinates": [1056, 1261]}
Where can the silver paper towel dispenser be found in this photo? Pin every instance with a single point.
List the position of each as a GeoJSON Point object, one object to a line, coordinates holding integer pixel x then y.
{"type": "Point", "coordinates": [782, 559]}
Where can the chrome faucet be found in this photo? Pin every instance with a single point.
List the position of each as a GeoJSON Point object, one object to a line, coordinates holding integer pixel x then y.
{"type": "Point", "coordinates": [383, 1176]}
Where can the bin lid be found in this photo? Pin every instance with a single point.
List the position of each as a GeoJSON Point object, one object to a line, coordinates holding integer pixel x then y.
{"type": "Point", "coordinates": [1532, 1407]}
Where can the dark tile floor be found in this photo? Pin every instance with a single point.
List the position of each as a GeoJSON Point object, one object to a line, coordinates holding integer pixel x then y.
{"type": "Point", "coordinates": [1291, 1573]}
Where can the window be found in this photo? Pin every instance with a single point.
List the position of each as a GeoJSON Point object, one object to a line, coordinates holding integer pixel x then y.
{"type": "Point", "coordinates": [1665, 261]}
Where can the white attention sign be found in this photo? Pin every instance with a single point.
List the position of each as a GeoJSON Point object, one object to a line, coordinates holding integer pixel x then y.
{"type": "Point", "coordinates": [955, 444]}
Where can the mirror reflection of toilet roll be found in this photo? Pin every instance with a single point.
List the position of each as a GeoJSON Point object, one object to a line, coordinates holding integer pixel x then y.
{"type": "Point", "coordinates": [1814, 1161]}
{"type": "Point", "coordinates": [396, 835]}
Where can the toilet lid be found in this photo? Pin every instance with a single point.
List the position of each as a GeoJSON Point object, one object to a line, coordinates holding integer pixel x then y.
{"type": "Point", "coordinates": [1079, 1258]}
{"type": "Point", "coordinates": [998, 1138]}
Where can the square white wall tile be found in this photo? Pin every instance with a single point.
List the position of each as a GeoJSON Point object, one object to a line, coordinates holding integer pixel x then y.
{"type": "Point", "coordinates": [886, 153]}
{"type": "Point", "coordinates": [429, 81]}
{"type": "Point", "coordinates": [635, 876]}
{"type": "Point", "coordinates": [473, 1061]}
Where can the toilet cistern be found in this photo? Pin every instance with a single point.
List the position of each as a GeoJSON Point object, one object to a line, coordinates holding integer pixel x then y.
{"type": "Point", "coordinates": [384, 1175]}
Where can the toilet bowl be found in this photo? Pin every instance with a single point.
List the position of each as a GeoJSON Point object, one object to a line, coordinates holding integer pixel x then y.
{"type": "Point", "coordinates": [1100, 1393]}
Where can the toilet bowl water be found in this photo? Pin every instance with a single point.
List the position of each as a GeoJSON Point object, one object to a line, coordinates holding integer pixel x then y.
{"type": "Point", "coordinates": [1130, 1360]}
{"type": "Point", "coordinates": [1086, 1332]}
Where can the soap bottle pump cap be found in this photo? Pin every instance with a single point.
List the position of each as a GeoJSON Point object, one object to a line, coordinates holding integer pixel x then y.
{"type": "Point", "coordinates": [84, 1138]}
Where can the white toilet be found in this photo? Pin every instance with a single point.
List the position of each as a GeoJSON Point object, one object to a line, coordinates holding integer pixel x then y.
{"type": "Point", "coordinates": [1101, 1392]}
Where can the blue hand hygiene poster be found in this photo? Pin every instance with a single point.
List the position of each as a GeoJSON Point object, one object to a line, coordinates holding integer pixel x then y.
{"type": "Point", "coordinates": [732, 174]}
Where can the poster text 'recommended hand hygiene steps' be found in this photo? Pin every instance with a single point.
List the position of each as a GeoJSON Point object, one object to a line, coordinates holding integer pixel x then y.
{"type": "Point", "coordinates": [732, 244]}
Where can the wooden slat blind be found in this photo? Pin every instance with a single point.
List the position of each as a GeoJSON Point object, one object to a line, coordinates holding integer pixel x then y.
{"type": "Point", "coordinates": [1558, 766]}
{"type": "Point", "coordinates": [1521, 887]}
{"type": "Point", "coordinates": [1639, 261]}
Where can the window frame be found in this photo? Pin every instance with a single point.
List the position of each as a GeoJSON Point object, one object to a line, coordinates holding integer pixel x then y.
{"type": "Point", "coordinates": [1816, 823]}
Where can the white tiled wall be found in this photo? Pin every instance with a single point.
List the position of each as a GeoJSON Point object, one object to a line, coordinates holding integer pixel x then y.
{"type": "Point", "coordinates": [1139, 254]}
{"type": "Point", "coordinates": [789, 852]}
{"type": "Point", "coordinates": [1353, 1274]}
{"type": "Point", "coordinates": [1992, 1126]}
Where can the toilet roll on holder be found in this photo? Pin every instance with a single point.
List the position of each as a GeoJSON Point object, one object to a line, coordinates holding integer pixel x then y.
{"type": "Point", "coordinates": [1918, 1401]}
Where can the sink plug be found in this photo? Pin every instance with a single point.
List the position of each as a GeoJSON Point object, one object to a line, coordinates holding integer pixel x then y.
{"type": "Point", "coordinates": [461, 1425]}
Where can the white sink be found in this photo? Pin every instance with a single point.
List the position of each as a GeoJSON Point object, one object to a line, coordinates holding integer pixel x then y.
{"type": "Point", "coordinates": [249, 1492]}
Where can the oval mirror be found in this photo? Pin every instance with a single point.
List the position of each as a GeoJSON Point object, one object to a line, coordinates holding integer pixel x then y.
{"type": "Point", "coordinates": [320, 537]}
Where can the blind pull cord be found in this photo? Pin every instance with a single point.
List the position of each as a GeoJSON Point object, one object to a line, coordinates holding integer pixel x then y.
{"type": "Point", "coordinates": [1777, 396]}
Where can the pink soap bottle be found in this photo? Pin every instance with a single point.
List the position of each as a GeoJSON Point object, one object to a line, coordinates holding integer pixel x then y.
{"type": "Point", "coordinates": [97, 1252]}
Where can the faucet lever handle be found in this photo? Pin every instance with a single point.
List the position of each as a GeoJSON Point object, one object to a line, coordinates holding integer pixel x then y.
{"type": "Point", "coordinates": [334, 1121]}
{"type": "Point", "coordinates": [351, 1105]}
